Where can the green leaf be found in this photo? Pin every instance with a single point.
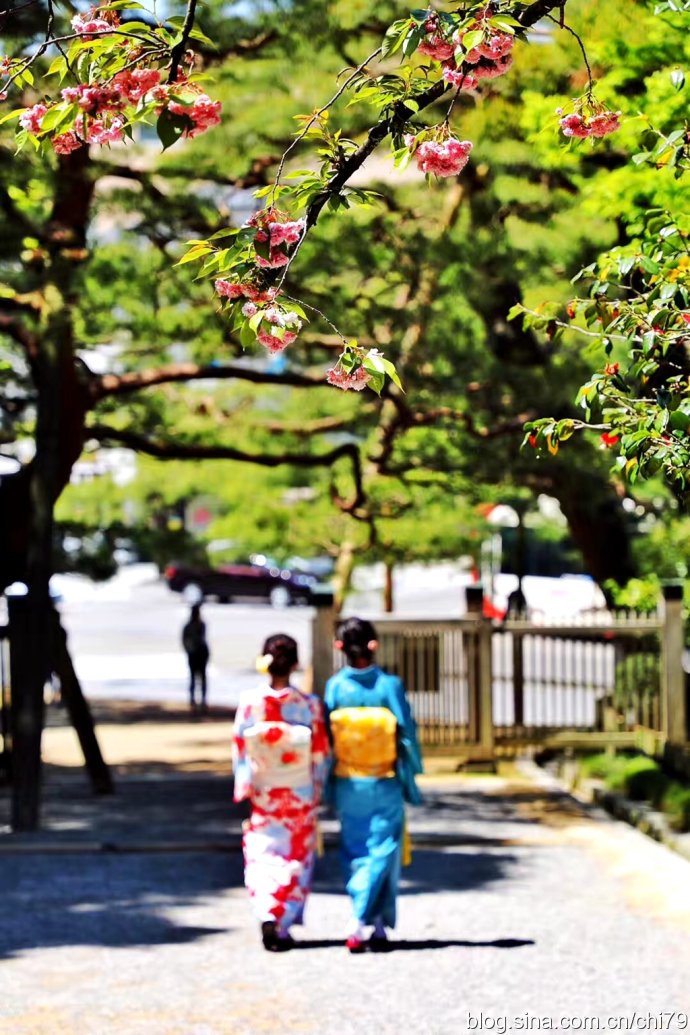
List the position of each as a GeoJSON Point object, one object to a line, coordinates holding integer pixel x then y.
{"type": "Point", "coordinates": [377, 382]}
{"type": "Point", "coordinates": [247, 336]}
{"type": "Point", "coordinates": [12, 115]}
{"type": "Point", "coordinates": [194, 253]}
{"type": "Point", "coordinates": [170, 127]}
{"type": "Point", "coordinates": [392, 373]}
{"type": "Point", "coordinates": [472, 39]}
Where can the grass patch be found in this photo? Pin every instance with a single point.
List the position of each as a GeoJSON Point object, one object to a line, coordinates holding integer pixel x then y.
{"type": "Point", "coordinates": [642, 779]}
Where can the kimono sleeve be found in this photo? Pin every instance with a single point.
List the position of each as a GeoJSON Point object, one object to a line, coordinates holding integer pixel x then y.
{"type": "Point", "coordinates": [240, 763]}
{"type": "Point", "coordinates": [410, 760]}
{"type": "Point", "coordinates": [320, 746]}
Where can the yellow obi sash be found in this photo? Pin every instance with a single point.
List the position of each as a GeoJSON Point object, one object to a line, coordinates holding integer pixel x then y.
{"type": "Point", "coordinates": [364, 741]}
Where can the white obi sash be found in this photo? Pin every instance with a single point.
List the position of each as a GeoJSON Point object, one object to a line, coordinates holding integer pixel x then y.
{"type": "Point", "coordinates": [279, 754]}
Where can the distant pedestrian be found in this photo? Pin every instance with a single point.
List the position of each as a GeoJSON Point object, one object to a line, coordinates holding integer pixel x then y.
{"type": "Point", "coordinates": [196, 648]}
{"type": "Point", "coordinates": [377, 756]}
{"type": "Point", "coordinates": [280, 755]}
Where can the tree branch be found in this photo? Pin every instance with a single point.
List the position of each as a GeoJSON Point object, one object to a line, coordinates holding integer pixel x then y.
{"type": "Point", "coordinates": [178, 50]}
{"type": "Point", "coordinates": [123, 384]}
{"type": "Point", "coordinates": [393, 123]}
{"type": "Point", "coordinates": [164, 449]}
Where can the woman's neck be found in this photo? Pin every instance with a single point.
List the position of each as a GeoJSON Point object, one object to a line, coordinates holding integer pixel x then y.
{"type": "Point", "coordinates": [362, 663]}
{"type": "Point", "coordinates": [279, 682]}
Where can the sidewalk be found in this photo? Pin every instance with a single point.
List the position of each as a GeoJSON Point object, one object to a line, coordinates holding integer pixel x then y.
{"type": "Point", "coordinates": [127, 916]}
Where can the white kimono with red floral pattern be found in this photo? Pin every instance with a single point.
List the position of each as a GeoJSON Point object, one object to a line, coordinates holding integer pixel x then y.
{"type": "Point", "coordinates": [280, 758]}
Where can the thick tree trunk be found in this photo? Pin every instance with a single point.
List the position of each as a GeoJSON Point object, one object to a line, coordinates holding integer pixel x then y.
{"type": "Point", "coordinates": [597, 523]}
{"type": "Point", "coordinates": [60, 409]}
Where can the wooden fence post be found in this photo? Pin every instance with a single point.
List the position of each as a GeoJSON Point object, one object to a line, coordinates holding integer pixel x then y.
{"type": "Point", "coordinates": [673, 712]}
{"type": "Point", "coordinates": [322, 634]}
{"type": "Point", "coordinates": [486, 710]}
{"type": "Point", "coordinates": [518, 643]}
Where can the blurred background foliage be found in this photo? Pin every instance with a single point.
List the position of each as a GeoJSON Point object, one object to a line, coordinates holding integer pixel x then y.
{"type": "Point", "coordinates": [427, 274]}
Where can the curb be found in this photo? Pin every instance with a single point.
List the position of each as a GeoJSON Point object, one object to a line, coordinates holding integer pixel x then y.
{"type": "Point", "coordinates": [636, 814]}
{"type": "Point", "coordinates": [644, 818]}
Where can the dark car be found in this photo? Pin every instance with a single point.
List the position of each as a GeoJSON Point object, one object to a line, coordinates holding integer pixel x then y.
{"type": "Point", "coordinates": [278, 586]}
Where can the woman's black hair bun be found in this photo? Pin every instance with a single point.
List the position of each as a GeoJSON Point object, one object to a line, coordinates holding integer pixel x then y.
{"type": "Point", "coordinates": [283, 650]}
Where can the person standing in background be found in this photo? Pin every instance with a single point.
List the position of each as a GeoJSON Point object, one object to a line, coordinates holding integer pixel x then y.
{"type": "Point", "coordinates": [196, 648]}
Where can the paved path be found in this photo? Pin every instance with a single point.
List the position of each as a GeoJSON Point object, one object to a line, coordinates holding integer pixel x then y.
{"type": "Point", "coordinates": [538, 910]}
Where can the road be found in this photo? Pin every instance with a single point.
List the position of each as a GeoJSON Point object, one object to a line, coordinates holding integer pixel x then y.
{"type": "Point", "coordinates": [125, 639]}
{"type": "Point", "coordinates": [538, 915]}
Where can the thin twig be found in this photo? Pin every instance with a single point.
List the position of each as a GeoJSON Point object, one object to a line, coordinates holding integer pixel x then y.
{"type": "Point", "coordinates": [313, 309]}
{"type": "Point", "coordinates": [562, 24]}
{"type": "Point", "coordinates": [318, 114]}
{"type": "Point", "coordinates": [178, 50]}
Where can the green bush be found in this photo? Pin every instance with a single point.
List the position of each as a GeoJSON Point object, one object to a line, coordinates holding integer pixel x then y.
{"type": "Point", "coordinates": [676, 804]}
{"type": "Point", "coordinates": [643, 780]}
{"type": "Point", "coordinates": [603, 766]}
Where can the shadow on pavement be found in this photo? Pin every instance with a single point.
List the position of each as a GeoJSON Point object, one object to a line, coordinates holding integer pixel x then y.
{"type": "Point", "coordinates": [116, 902]}
{"type": "Point", "coordinates": [405, 945]}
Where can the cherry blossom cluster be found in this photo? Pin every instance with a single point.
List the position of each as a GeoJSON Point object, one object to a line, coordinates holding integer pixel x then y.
{"type": "Point", "coordinates": [276, 234]}
{"type": "Point", "coordinates": [590, 119]}
{"type": "Point", "coordinates": [443, 156]}
{"type": "Point", "coordinates": [488, 59]}
{"type": "Point", "coordinates": [233, 290]}
{"type": "Point", "coordinates": [283, 324]}
{"type": "Point", "coordinates": [95, 20]}
{"type": "Point", "coordinates": [435, 45]}
{"type": "Point", "coordinates": [101, 106]}
{"type": "Point", "coordinates": [357, 379]}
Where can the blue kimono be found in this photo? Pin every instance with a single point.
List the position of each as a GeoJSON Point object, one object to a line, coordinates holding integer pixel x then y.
{"type": "Point", "coordinates": [371, 809]}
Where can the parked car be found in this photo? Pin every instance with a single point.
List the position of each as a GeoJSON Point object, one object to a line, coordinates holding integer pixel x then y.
{"type": "Point", "coordinates": [279, 586]}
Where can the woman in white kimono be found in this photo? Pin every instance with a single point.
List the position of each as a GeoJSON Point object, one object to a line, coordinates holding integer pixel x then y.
{"type": "Point", "coordinates": [280, 756]}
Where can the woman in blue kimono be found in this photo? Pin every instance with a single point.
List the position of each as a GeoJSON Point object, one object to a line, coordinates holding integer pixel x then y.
{"type": "Point", "coordinates": [376, 758]}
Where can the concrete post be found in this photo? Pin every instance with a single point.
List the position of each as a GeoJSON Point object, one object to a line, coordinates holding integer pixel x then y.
{"type": "Point", "coordinates": [673, 712]}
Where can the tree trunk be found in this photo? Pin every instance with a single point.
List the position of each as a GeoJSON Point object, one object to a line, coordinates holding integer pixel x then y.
{"type": "Point", "coordinates": [79, 712]}
{"type": "Point", "coordinates": [388, 600]}
{"type": "Point", "coordinates": [597, 522]}
{"type": "Point", "coordinates": [60, 410]}
{"type": "Point", "coordinates": [344, 566]}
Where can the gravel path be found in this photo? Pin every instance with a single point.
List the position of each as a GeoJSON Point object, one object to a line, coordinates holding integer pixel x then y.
{"type": "Point", "coordinates": [540, 912]}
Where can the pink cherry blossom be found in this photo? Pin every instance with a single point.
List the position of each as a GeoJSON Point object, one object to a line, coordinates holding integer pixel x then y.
{"type": "Point", "coordinates": [497, 45]}
{"type": "Point", "coordinates": [99, 133]}
{"type": "Point", "coordinates": [90, 22]}
{"type": "Point", "coordinates": [249, 309]}
{"type": "Point", "coordinates": [274, 261]}
{"type": "Point", "coordinates": [357, 380]}
{"type": "Point", "coordinates": [605, 122]}
{"type": "Point", "coordinates": [443, 158]}
{"type": "Point", "coordinates": [31, 120]}
{"type": "Point", "coordinates": [135, 83]}
{"type": "Point", "coordinates": [226, 289]}
{"type": "Point", "coordinates": [597, 125]}
{"type": "Point", "coordinates": [65, 143]}
{"type": "Point", "coordinates": [286, 233]}
{"type": "Point", "coordinates": [494, 69]}
{"type": "Point", "coordinates": [436, 47]}
{"type": "Point", "coordinates": [461, 80]}
{"type": "Point", "coordinates": [275, 344]}
{"type": "Point", "coordinates": [203, 113]}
